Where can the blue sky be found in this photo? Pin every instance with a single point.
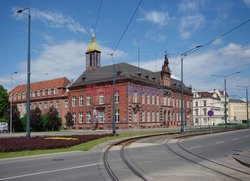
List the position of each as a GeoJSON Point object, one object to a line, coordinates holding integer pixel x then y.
{"type": "Point", "coordinates": [61, 31]}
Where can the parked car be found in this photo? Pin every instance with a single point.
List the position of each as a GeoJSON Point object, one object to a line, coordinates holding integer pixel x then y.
{"type": "Point", "coordinates": [3, 127]}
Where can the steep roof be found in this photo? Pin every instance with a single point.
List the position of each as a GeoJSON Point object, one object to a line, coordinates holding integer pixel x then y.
{"type": "Point", "coordinates": [54, 83]}
{"type": "Point", "coordinates": [123, 71]}
{"type": "Point", "coordinates": [93, 46]}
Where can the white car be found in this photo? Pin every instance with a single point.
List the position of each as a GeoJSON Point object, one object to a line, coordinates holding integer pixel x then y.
{"type": "Point", "coordinates": [3, 127]}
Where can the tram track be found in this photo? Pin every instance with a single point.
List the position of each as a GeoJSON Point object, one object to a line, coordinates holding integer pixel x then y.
{"type": "Point", "coordinates": [198, 160]}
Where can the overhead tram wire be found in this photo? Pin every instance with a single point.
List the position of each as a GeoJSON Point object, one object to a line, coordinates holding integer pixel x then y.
{"type": "Point", "coordinates": [126, 28]}
{"type": "Point", "coordinates": [98, 14]}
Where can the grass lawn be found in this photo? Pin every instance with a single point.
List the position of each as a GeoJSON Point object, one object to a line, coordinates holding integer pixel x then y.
{"type": "Point", "coordinates": [81, 147]}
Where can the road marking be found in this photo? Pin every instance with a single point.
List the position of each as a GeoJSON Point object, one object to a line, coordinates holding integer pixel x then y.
{"type": "Point", "coordinates": [235, 138]}
{"type": "Point", "coordinates": [195, 147]}
{"type": "Point", "coordinates": [50, 171]}
{"type": "Point", "coordinates": [219, 142]}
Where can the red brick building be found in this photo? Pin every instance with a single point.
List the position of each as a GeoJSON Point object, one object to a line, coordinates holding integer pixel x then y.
{"type": "Point", "coordinates": [143, 99]}
{"type": "Point", "coordinates": [43, 94]}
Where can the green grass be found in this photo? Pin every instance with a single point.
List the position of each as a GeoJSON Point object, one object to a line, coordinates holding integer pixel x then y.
{"type": "Point", "coordinates": [81, 147]}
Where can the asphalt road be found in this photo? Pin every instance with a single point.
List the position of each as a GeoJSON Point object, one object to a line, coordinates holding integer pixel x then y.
{"type": "Point", "coordinates": [150, 157]}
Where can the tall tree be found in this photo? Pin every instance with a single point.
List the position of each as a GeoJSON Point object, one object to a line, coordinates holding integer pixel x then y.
{"type": "Point", "coordinates": [3, 103]}
{"type": "Point", "coordinates": [36, 119]}
{"type": "Point", "coordinates": [69, 121]}
{"type": "Point", "coordinates": [54, 123]}
{"type": "Point", "coordinates": [16, 121]}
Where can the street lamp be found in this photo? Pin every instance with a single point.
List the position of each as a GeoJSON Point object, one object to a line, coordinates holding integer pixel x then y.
{"type": "Point", "coordinates": [11, 100]}
{"type": "Point", "coordinates": [28, 76]}
{"type": "Point", "coordinates": [246, 87]}
{"type": "Point", "coordinates": [182, 96]}
{"type": "Point", "coordinates": [114, 77]}
{"type": "Point", "coordinates": [225, 93]}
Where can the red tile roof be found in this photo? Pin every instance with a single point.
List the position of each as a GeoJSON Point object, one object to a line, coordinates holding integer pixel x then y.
{"type": "Point", "coordinates": [46, 84]}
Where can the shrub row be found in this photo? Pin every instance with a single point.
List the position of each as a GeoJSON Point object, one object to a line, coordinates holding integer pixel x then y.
{"type": "Point", "coordinates": [44, 142]}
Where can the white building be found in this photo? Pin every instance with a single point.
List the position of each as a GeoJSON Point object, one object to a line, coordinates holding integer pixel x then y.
{"type": "Point", "coordinates": [206, 101]}
{"type": "Point", "coordinates": [237, 111]}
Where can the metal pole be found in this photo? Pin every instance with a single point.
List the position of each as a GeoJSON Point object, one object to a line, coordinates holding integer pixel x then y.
{"type": "Point", "coordinates": [182, 101]}
{"type": "Point", "coordinates": [113, 122]}
{"type": "Point", "coordinates": [225, 103]}
{"type": "Point", "coordinates": [247, 106]}
{"type": "Point", "coordinates": [28, 83]}
{"type": "Point", "coordinates": [11, 103]}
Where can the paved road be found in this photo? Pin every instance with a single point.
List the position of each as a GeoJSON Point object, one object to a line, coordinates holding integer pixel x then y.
{"type": "Point", "coordinates": [150, 157]}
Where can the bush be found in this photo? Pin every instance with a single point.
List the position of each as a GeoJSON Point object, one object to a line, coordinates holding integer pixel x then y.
{"type": "Point", "coordinates": [53, 121]}
{"type": "Point", "coordinates": [36, 120]}
{"type": "Point", "coordinates": [20, 143]}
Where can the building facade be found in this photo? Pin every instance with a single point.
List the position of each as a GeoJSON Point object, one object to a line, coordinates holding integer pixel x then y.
{"type": "Point", "coordinates": [237, 111]}
{"type": "Point", "coordinates": [206, 101]}
{"type": "Point", "coordinates": [131, 96]}
{"type": "Point", "coordinates": [43, 94]}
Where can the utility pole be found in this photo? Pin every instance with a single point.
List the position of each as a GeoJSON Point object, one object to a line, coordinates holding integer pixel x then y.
{"type": "Point", "coordinates": [28, 76]}
{"type": "Point", "coordinates": [246, 87]}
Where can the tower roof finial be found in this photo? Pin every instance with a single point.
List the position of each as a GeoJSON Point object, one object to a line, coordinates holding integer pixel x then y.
{"type": "Point", "coordinates": [93, 46]}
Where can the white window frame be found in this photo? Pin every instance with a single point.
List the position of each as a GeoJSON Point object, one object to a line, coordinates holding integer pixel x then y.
{"type": "Point", "coordinates": [88, 101]}
{"type": "Point", "coordinates": [153, 116]}
{"type": "Point", "coordinates": [148, 116]}
{"type": "Point", "coordinates": [88, 117]}
{"type": "Point", "coordinates": [134, 97]}
{"type": "Point", "coordinates": [153, 99]}
{"type": "Point", "coordinates": [66, 103]}
{"type": "Point", "coordinates": [134, 117]}
{"type": "Point", "coordinates": [55, 91]}
{"type": "Point", "coordinates": [74, 101]}
{"type": "Point", "coordinates": [49, 92]}
{"type": "Point", "coordinates": [81, 100]}
{"type": "Point", "coordinates": [116, 116]}
{"type": "Point", "coordinates": [157, 100]}
{"type": "Point", "coordinates": [80, 117]}
{"type": "Point", "coordinates": [116, 97]}
{"type": "Point", "coordinates": [101, 99]}
{"type": "Point", "coordinates": [148, 99]}
{"type": "Point", "coordinates": [74, 118]}
{"type": "Point", "coordinates": [143, 116]}
{"type": "Point", "coordinates": [101, 116]}
{"type": "Point", "coordinates": [143, 98]}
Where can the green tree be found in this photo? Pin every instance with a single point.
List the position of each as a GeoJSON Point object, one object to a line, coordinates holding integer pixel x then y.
{"type": "Point", "coordinates": [3, 104]}
{"type": "Point", "coordinates": [54, 122]}
{"type": "Point", "coordinates": [69, 121]}
{"type": "Point", "coordinates": [16, 122]}
{"type": "Point", "coordinates": [36, 119]}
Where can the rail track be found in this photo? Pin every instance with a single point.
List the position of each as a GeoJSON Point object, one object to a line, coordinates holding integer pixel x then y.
{"type": "Point", "coordinates": [219, 168]}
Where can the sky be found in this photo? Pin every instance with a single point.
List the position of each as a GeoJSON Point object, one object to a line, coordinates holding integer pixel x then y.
{"type": "Point", "coordinates": [61, 31]}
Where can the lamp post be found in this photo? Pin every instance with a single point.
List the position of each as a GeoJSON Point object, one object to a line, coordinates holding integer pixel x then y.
{"type": "Point", "coordinates": [182, 96]}
{"type": "Point", "coordinates": [11, 100]}
{"type": "Point", "coordinates": [114, 77]}
{"type": "Point", "coordinates": [225, 93]}
{"type": "Point", "coordinates": [246, 87]}
{"type": "Point", "coordinates": [28, 76]}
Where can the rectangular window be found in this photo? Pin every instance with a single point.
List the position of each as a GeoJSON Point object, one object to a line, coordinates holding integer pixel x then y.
{"type": "Point", "coordinates": [74, 118]}
{"type": "Point", "coordinates": [164, 101]}
{"type": "Point", "coordinates": [143, 98]}
{"type": "Point", "coordinates": [80, 100]}
{"type": "Point", "coordinates": [173, 102]}
{"type": "Point", "coordinates": [148, 99]}
{"type": "Point", "coordinates": [153, 116]}
{"type": "Point", "coordinates": [179, 103]}
{"type": "Point", "coordinates": [135, 97]}
{"type": "Point", "coordinates": [38, 93]}
{"type": "Point", "coordinates": [55, 91]}
{"type": "Point", "coordinates": [57, 105]}
{"type": "Point", "coordinates": [176, 102]}
{"type": "Point", "coordinates": [88, 117]}
{"type": "Point", "coordinates": [153, 99]}
{"type": "Point", "coordinates": [157, 100]}
{"type": "Point", "coordinates": [149, 117]}
{"type": "Point", "coordinates": [116, 97]}
{"type": "Point", "coordinates": [43, 92]}
{"type": "Point", "coordinates": [33, 94]}
{"type": "Point", "coordinates": [101, 99]}
{"type": "Point", "coordinates": [74, 101]}
{"type": "Point", "coordinates": [80, 117]}
{"type": "Point", "coordinates": [66, 103]}
{"type": "Point", "coordinates": [49, 92]}
{"type": "Point", "coordinates": [51, 104]}
{"type": "Point", "coordinates": [45, 105]}
{"type": "Point", "coordinates": [196, 104]}
{"type": "Point", "coordinates": [158, 117]}
{"type": "Point", "coordinates": [134, 117]}
{"type": "Point", "coordinates": [88, 102]}
{"type": "Point", "coordinates": [143, 116]}
{"type": "Point", "coordinates": [101, 116]}
{"type": "Point", "coordinates": [117, 116]}
{"type": "Point", "coordinates": [196, 112]}
{"type": "Point", "coordinates": [205, 103]}
{"type": "Point", "coordinates": [40, 105]}
{"type": "Point", "coordinates": [24, 95]}
{"type": "Point", "coordinates": [169, 101]}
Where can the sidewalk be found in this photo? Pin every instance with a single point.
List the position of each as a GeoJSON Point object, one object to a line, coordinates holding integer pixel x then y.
{"type": "Point", "coordinates": [243, 158]}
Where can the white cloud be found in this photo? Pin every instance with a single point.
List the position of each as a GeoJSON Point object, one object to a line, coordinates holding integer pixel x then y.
{"type": "Point", "coordinates": [158, 37]}
{"type": "Point", "coordinates": [157, 17]}
{"type": "Point", "coordinates": [65, 59]}
{"type": "Point", "coordinates": [236, 50]}
{"type": "Point", "coordinates": [247, 3]}
{"type": "Point", "coordinates": [51, 18]}
{"type": "Point", "coordinates": [190, 24]}
{"type": "Point", "coordinates": [189, 6]}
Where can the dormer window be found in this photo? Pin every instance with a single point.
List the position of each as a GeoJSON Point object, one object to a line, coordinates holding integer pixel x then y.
{"type": "Point", "coordinates": [55, 91]}
{"type": "Point", "coordinates": [139, 74]}
{"type": "Point", "coordinates": [146, 76]}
